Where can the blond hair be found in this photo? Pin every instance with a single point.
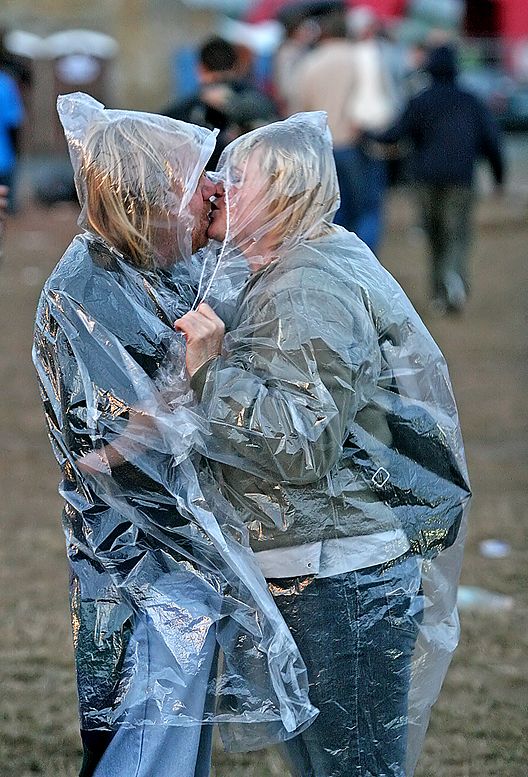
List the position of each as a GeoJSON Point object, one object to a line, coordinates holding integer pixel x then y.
{"type": "Point", "coordinates": [301, 193]}
{"type": "Point", "coordinates": [125, 177]}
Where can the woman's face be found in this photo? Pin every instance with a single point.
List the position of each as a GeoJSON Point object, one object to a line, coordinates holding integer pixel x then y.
{"type": "Point", "coordinates": [245, 191]}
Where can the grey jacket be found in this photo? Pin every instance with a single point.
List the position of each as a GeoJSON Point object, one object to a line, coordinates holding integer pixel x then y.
{"type": "Point", "coordinates": [331, 412]}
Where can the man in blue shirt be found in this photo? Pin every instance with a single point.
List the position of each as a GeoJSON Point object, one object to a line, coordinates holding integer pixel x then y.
{"type": "Point", "coordinates": [11, 117]}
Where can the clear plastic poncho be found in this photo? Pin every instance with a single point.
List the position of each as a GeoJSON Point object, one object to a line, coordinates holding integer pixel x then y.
{"type": "Point", "coordinates": [172, 621]}
{"type": "Point", "coordinates": [334, 429]}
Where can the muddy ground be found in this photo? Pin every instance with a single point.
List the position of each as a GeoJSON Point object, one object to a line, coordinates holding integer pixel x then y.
{"type": "Point", "coordinates": [477, 724]}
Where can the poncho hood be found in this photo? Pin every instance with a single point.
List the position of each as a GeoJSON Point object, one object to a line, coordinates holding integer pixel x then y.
{"type": "Point", "coordinates": [135, 174]}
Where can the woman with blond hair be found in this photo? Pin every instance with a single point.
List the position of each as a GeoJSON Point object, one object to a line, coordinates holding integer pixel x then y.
{"type": "Point", "coordinates": [335, 435]}
{"type": "Point", "coordinates": [174, 628]}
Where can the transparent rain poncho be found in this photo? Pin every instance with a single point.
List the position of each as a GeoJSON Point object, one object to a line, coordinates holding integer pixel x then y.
{"type": "Point", "coordinates": [336, 437]}
{"type": "Point", "coordinates": [172, 620]}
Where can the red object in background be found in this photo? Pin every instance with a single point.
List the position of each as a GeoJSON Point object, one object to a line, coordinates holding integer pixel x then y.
{"type": "Point", "coordinates": [385, 9]}
{"type": "Point", "coordinates": [263, 10]}
{"type": "Point", "coordinates": [507, 19]}
{"type": "Point", "coordinates": [513, 19]}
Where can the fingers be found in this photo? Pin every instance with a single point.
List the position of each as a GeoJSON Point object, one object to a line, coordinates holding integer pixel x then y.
{"type": "Point", "coordinates": [204, 333]}
{"type": "Point", "coordinates": [4, 192]}
{"type": "Point", "coordinates": [93, 463]}
{"type": "Point", "coordinates": [200, 322]}
{"type": "Point", "coordinates": [191, 324]}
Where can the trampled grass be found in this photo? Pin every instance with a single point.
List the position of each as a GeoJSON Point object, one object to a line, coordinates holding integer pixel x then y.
{"type": "Point", "coordinates": [478, 725]}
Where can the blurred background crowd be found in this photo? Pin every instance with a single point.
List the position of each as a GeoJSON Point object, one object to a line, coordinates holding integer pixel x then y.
{"type": "Point", "coordinates": [238, 63]}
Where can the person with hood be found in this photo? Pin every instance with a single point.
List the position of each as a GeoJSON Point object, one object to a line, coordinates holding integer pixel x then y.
{"type": "Point", "coordinates": [174, 628]}
{"type": "Point", "coordinates": [336, 437]}
{"type": "Point", "coordinates": [448, 130]}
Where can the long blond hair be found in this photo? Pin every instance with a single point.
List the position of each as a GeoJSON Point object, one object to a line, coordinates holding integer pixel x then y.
{"type": "Point", "coordinates": [301, 193]}
{"type": "Point", "coordinates": [125, 177]}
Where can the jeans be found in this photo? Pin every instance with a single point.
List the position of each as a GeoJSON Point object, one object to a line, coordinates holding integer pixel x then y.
{"type": "Point", "coordinates": [356, 633]}
{"type": "Point", "coordinates": [148, 750]}
{"type": "Point", "coordinates": [144, 750]}
{"type": "Point", "coordinates": [362, 184]}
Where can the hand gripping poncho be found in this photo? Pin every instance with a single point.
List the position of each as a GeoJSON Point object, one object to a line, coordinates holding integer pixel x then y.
{"type": "Point", "coordinates": [331, 411]}
{"type": "Point", "coordinates": [172, 621]}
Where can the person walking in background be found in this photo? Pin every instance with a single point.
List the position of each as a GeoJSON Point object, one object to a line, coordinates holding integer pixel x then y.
{"type": "Point", "coordinates": [4, 192]}
{"type": "Point", "coordinates": [351, 81]}
{"type": "Point", "coordinates": [448, 129]}
{"type": "Point", "coordinates": [224, 101]}
{"type": "Point", "coordinates": [300, 35]}
{"type": "Point", "coordinates": [11, 117]}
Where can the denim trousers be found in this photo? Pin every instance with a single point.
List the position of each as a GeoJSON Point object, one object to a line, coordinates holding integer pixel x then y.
{"type": "Point", "coordinates": [356, 633]}
{"type": "Point", "coordinates": [144, 750]}
{"type": "Point", "coordinates": [362, 184]}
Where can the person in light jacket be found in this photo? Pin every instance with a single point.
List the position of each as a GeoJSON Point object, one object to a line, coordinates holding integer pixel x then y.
{"type": "Point", "coordinates": [335, 435]}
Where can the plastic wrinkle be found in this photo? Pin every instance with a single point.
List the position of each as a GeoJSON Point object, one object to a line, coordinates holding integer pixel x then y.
{"type": "Point", "coordinates": [328, 420]}
{"type": "Point", "coordinates": [166, 599]}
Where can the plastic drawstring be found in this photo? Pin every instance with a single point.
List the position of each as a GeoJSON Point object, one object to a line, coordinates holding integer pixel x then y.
{"type": "Point", "coordinates": [198, 301]}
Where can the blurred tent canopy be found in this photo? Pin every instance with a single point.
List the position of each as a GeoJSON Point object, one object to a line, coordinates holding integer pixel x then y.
{"type": "Point", "coordinates": [62, 44]}
{"type": "Point", "coordinates": [261, 10]}
{"type": "Point", "coordinates": [261, 38]}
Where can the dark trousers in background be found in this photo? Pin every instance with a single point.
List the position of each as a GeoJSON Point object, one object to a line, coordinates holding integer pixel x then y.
{"type": "Point", "coordinates": [356, 633]}
{"type": "Point", "coordinates": [447, 217]}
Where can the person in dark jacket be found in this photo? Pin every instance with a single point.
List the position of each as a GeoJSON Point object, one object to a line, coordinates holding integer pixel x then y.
{"type": "Point", "coordinates": [224, 100]}
{"type": "Point", "coordinates": [449, 129]}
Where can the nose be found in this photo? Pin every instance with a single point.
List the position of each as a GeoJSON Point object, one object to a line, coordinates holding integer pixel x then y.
{"type": "Point", "coordinates": [211, 189]}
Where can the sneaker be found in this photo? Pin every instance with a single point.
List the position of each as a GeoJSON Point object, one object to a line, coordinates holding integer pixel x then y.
{"type": "Point", "coordinates": [456, 294]}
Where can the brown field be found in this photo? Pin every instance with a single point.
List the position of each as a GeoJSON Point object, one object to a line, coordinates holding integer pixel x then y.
{"type": "Point", "coordinates": [477, 724]}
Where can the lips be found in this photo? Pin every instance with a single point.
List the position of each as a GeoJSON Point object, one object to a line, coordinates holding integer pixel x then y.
{"type": "Point", "coordinates": [213, 212]}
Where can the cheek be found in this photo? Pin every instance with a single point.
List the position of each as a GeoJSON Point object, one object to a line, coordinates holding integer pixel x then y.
{"type": "Point", "coordinates": [196, 205]}
{"type": "Point", "coordinates": [245, 211]}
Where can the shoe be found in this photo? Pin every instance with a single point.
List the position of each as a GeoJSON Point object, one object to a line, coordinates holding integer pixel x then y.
{"type": "Point", "coordinates": [456, 294]}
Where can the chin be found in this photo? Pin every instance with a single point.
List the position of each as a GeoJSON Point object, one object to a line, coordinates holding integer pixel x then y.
{"type": "Point", "coordinates": [198, 245]}
{"type": "Point", "coordinates": [217, 227]}
{"type": "Point", "coordinates": [214, 233]}
{"type": "Point", "coordinates": [199, 241]}
{"type": "Point", "coordinates": [211, 234]}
